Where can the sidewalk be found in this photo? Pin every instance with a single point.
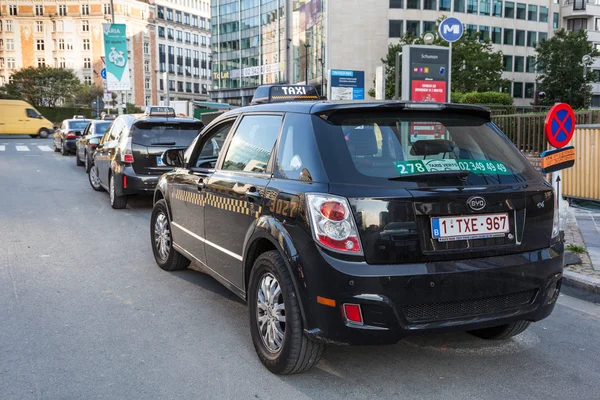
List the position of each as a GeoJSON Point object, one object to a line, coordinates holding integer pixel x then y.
{"type": "Point", "coordinates": [582, 228]}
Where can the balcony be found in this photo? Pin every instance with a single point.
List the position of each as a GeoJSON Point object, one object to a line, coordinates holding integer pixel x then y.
{"type": "Point", "coordinates": [580, 8]}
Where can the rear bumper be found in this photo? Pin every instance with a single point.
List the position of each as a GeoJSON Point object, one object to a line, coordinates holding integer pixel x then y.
{"type": "Point", "coordinates": [403, 300]}
{"type": "Point", "coordinates": [131, 183]}
{"type": "Point", "coordinates": [71, 144]}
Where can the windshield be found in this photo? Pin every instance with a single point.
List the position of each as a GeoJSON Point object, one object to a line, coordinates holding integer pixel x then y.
{"type": "Point", "coordinates": [101, 127]}
{"type": "Point", "coordinates": [165, 134]}
{"type": "Point", "coordinates": [386, 145]}
{"type": "Point", "coordinates": [78, 125]}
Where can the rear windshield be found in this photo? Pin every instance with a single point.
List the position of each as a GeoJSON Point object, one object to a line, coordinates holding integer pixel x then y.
{"type": "Point", "coordinates": [101, 127]}
{"type": "Point", "coordinates": [78, 125]}
{"type": "Point", "coordinates": [378, 147]}
{"type": "Point", "coordinates": [165, 134]}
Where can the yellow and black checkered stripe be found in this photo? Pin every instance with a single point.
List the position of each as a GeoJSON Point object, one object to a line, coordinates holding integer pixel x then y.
{"type": "Point", "coordinates": [294, 97]}
{"type": "Point", "coordinates": [223, 203]}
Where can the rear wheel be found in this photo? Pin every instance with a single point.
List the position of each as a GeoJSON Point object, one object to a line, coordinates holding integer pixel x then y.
{"type": "Point", "coordinates": [43, 133]}
{"type": "Point", "coordinates": [56, 149]}
{"type": "Point", "coordinates": [275, 319]}
{"type": "Point", "coordinates": [501, 332]}
{"type": "Point", "coordinates": [77, 160]}
{"type": "Point", "coordinates": [94, 179]}
{"type": "Point", "coordinates": [116, 202]}
{"type": "Point", "coordinates": [165, 255]}
{"type": "Point", "coordinates": [63, 149]}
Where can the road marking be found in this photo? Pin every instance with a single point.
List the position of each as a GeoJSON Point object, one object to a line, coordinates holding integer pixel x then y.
{"type": "Point", "coordinates": [44, 148]}
{"type": "Point", "coordinates": [2, 148]}
{"type": "Point", "coordinates": [33, 144]}
{"type": "Point", "coordinates": [22, 148]}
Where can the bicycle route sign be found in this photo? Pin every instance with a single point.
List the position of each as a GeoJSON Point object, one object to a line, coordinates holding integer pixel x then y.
{"type": "Point", "coordinates": [559, 125]}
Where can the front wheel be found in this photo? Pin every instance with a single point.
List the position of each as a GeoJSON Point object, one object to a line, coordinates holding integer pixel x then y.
{"type": "Point", "coordinates": [501, 332]}
{"type": "Point", "coordinates": [78, 162]}
{"type": "Point", "coordinates": [94, 179]}
{"type": "Point", "coordinates": [275, 319]}
{"type": "Point", "coordinates": [43, 133]}
{"type": "Point", "coordinates": [161, 239]}
{"type": "Point", "coordinates": [117, 202]}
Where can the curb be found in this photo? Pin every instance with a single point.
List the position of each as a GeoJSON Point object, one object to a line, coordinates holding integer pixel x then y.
{"type": "Point", "coordinates": [581, 286]}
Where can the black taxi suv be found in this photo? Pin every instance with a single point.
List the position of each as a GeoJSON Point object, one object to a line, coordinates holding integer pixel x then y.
{"type": "Point", "coordinates": [361, 223]}
{"type": "Point", "coordinates": [128, 159]}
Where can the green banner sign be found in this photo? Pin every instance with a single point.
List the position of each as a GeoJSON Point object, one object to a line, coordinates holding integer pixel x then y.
{"type": "Point", "coordinates": [489, 167]}
{"type": "Point", "coordinates": [117, 62]}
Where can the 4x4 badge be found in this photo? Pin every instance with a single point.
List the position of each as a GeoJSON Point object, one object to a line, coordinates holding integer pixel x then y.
{"type": "Point", "coordinates": [476, 203]}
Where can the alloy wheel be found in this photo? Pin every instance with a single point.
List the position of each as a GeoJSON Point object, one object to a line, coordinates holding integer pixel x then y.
{"type": "Point", "coordinates": [94, 176]}
{"type": "Point", "coordinates": [162, 236]}
{"type": "Point", "coordinates": [270, 312]}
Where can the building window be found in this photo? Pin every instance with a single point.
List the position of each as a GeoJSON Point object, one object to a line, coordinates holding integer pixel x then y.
{"type": "Point", "coordinates": [39, 45]}
{"type": "Point", "coordinates": [39, 9]}
{"type": "Point", "coordinates": [180, 86]}
{"type": "Point", "coordinates": [69, 44]}
{"type": "Point", "coordinates": [509, 9]}
{"type": "Point", "coordinates": [179, 36]}
{"type": "Point", "coordinates": [70, 63]}
{"type": "Point", "coordinates": [428, 26]}
{"type": "Point", "coordinates": [1, 62]}
{"type": "Point", "coordinates": [148, 100]}
{"type": "Point", "coordinates": [196, 88]}
{"type": "Point", "coordinates": [58, 26]}
{"type": "Point", "coordinates": [146, 66]}
{"type": "Point", "coordinates": [445, 5]}
{"type": "Point", "coordinates": [62, 10]}
{"type": "Point", "coordinates": [194, 21]}
{"type": "Point", "coordinates": [85, 26]}
{"type": "Point", "coordinates": [161, 12]}
{"type": "Point", "coordinates": [147, 83]}
{"type": "Point", "coordinates": [543, 14]}
{"type": "Point", "coordinates": [161, 32]}
{"type": "Point", "coordinates": [484, 33]}
{"type": "Point", "coordinates": [10, 63]}
{"type": "Point", "coordinates": [12, 9]}
{"type": "Point", "coordinates": [497, 35]}
{"type": "Point", "coordinates": [9, 25]}
{"type": "Point", "coordinates": [497, 8]}
{"type": "Point", "coordinates": [87, 80]}
{"type": "Point", "coordinates": [107, 10]}
{"type": "Point", "coordinates": [169, 14]}
{"type": "Point", "coordinates": [555, 18]}
{"type": "Point", "coordinates": [146, 48]}
{"type": "Point", "coordinates": [395, 28]}
{"type": "Point", "coordinates": [396, 3]}
{"type": "Point", "coordinates": [204, 88]}
{"type": "Point", "coordinates": [188, 87]}
{"type": "Point", "coordinates": [204, 41]}
{"type": "Point", "coordinates": [530, 64]}
{"type": "Point", "coordinates": [413, 5]}
{"type": "Point", "coordinates": [576, 24]}
{"type": "Point", "coordinates": [459, 6]}
{"type": "Point", "coordinates": [519, 64]}
{"type": "Point", "coordinates": [542, 36]}
{"type": "Point", "coordinates": [519, 38]}
{"type": "Point", "coordinates": [170, 34]}
{"type": "Point", "coordinates": [521, 11]}
{"type": "Point", "coordinates": [87, 63]}
{"type": "Point", "coordinates": [518, 90]}
{"type": "Point", "coordinates": [471, 6]}
{"type": "Point", "coordinates": [532, 13]}
{"type": "Point", "coordinates": [39, 26]}
{"type": "Point", "coordinates": [1, 44]}
{"type": "Point", "coordinates": [10, 44]}
{"type": "Point", "coordinates": [188, 37]}
{"type": "Point", "coordinates": [161, 84]}
{"type": "Point", "coordinates": [429, 5]}
{"type": "Point", "coordinates": [86, 44]}
{"type": "Point", "coordinates": [178, 17]}
{"type": "Point", "coordinates": [529, 90]}
{"type": "Point", "coordinates": [507, 62]}
{"type": "Point", "coordinates": [41, 62]}
{"type": "Point", "coordinates": [61, 44]}
{"type": "Point", "coordinates": [196, 39]}
{"type": "Point", "coordinates": [531, 38]}
{"type": "Point", "coordinates": [85, 9]}
{"type": "Point", "coordinates": [186, 18]}
{"type": "Point", "coordinates": [484, 7]}
{"type": "Point", "coordinates": [412, 28]}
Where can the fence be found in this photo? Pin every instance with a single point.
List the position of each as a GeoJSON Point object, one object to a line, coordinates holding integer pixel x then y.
{"type": "Point", "coordinates": [526, 131]}
{"type": "Point", "coordinates": [583, 179]}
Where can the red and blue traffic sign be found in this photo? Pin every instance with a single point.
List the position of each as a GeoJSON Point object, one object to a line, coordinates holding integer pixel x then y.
{"type": "Point", "coordinates": [559, 125]}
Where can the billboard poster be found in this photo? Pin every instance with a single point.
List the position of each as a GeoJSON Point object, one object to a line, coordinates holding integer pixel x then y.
{"type": "Point", "coordinates": [347, 85]}
{"type": "Point", "coordinates": [429, 91]}
{"type": "Point", "coordinates": [117, 60]}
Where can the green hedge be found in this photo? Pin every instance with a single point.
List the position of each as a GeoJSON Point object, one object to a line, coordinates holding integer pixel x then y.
{"type": "Point", "coordinates": [57, 114]}
{"type": "Point", "coordinates": [487, 98]}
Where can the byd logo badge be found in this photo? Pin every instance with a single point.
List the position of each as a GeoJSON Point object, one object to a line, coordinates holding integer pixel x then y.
{"type": "Point", "coordinates": [476, 203]}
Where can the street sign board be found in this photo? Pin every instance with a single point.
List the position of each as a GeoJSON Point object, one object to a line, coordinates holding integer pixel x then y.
{"type": "Point", "coordinates": [347, 85]}
{"type": "Point", "coordinates": [103, 73]}
{"type": "Point", "coordinates": [451, 29]}
{"type": "Point", "coordinates": [117, 56]}
{"type": "Point", "coordinates": [559, 125]}
{"type": "Point", "coordinates": [557, 159]}
{"type": "Point", "coordinates": [96, 104]}
{"type": "Point", "coordinates": [425, 74]}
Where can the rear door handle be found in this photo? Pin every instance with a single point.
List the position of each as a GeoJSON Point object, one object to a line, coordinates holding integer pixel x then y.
{"type": "Point", "coordinates": [201, 185]}
{"type": "Point", "coordinates": [252, 194]}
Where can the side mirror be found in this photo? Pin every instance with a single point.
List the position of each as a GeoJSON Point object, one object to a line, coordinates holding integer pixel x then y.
{"type": "Point", "coordinates": [77, 133]}
{"type": "Point", "coordinates": [173, 158]}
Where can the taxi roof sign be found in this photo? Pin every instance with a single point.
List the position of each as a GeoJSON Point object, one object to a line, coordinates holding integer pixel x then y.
{"type": "Point", "coordinates": [160, 111]}
{"type": "Point", "coordinates": [284, 93]}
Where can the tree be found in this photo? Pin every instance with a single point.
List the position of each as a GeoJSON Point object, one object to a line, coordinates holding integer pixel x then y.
{"type": "Point", "coordinates": [43, 86]}
{"type": "Point", "coordinates": [476, 67]}
{"type": "Point", "coordinates": [560, 67]}
{"type": "Point", "coordinates": [86, 94]}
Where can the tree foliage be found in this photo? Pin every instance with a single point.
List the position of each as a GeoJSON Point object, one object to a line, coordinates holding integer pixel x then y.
{"type": "Point", "coordinates": [476, 67]}
{"type": "Point", "coordinates": [42, 86]}
{"type": "Point", "coordinates": [86, 94]}
{"type": "Point", "coordinates": [561, 69]}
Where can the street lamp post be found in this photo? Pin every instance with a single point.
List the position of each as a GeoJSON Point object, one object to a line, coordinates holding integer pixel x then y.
{"type": "Point", "coordinates": [306, 46]}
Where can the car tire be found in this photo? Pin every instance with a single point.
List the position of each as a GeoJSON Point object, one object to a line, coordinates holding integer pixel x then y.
{"type": "Point", "coordinates": [297, 352]}
{"type": "Point", "coordinates": [88, 163]}
{"type": "Point", "coordinates": [501, 332]}
{"type": "Point", "coordinates": [78, 162]}
{"type": "Point", "coordinates": [116, 202]}
{"type": "Point", "coordinates": [43, 133]}
{"type": "Point", "coordinates": [63, 149]}
{"type": "Point", "coordinates": [56, 149]}
{"type": "Point", "coordinates": [94, 179]}
{"type": "Point", "coordinates": [161, 240]}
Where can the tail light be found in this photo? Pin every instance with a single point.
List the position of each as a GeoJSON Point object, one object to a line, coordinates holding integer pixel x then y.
{"type": "Point", "coordinates": [126, 152]}
{"type": "Point", "coordinates": [332, 223]}
{"type": "Point", "coordinates": [71, 135]}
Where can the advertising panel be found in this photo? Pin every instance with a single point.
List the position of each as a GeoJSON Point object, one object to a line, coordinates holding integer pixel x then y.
{"type": "Point", "coordinates": [347, 85]}
{"type": "Point", "coordinates": [117, 60]}
{"type": "Point", "coordinates": [425, 73]}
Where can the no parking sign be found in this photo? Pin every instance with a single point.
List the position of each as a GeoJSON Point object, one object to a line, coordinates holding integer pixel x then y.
{"type": "Point", "coordinates": [559, 128]}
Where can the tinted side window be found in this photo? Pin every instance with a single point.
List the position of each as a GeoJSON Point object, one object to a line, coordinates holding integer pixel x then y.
{"type": "Point", "coordinates": [212, 143]}
{"type": "Point", "coordinates": [297, 155]}
{"type": "Point", "coordinates": [31, 113]}
{"type": "Point", "coordinates": [253, 143]}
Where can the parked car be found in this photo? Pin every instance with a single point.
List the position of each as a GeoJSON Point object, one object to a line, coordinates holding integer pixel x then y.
{"type": "Point", "coordinates": [128, 159]}
{"type": "Point", "coordinates": [340, 223]}
{"type": "Point", "coordinates": [20, 118]}
{"type": "Point", "coordinates": [65, 137]}
{"type": "Point", "coordinates": [90, 138]}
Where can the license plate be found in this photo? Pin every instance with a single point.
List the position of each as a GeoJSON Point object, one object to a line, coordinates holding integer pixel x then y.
{"type": "Point", "coordinates": [159, 162]}
{"type": "Point", "coordinates": [483, 226]}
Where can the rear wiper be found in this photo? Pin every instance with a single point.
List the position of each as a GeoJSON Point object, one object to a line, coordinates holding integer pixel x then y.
{"type": "Point", "coordinates": [164, 144]}
{"type": "Point", "coordinates": [430, 175]}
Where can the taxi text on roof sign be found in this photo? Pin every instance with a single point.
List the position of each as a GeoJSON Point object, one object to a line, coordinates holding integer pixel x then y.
{"type": "Point", "coordinates": [284, 93]}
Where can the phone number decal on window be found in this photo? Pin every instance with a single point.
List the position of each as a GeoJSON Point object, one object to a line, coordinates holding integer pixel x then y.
{"type": "Point", "coordinates": [489, 167]}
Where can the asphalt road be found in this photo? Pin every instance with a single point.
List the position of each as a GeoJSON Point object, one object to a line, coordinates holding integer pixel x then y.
{"type": "Point", "coordinates": [85, 313]}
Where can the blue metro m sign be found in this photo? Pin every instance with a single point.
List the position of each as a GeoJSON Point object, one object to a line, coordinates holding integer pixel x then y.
{"type": "Point", "coordinates": [451, 29]}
